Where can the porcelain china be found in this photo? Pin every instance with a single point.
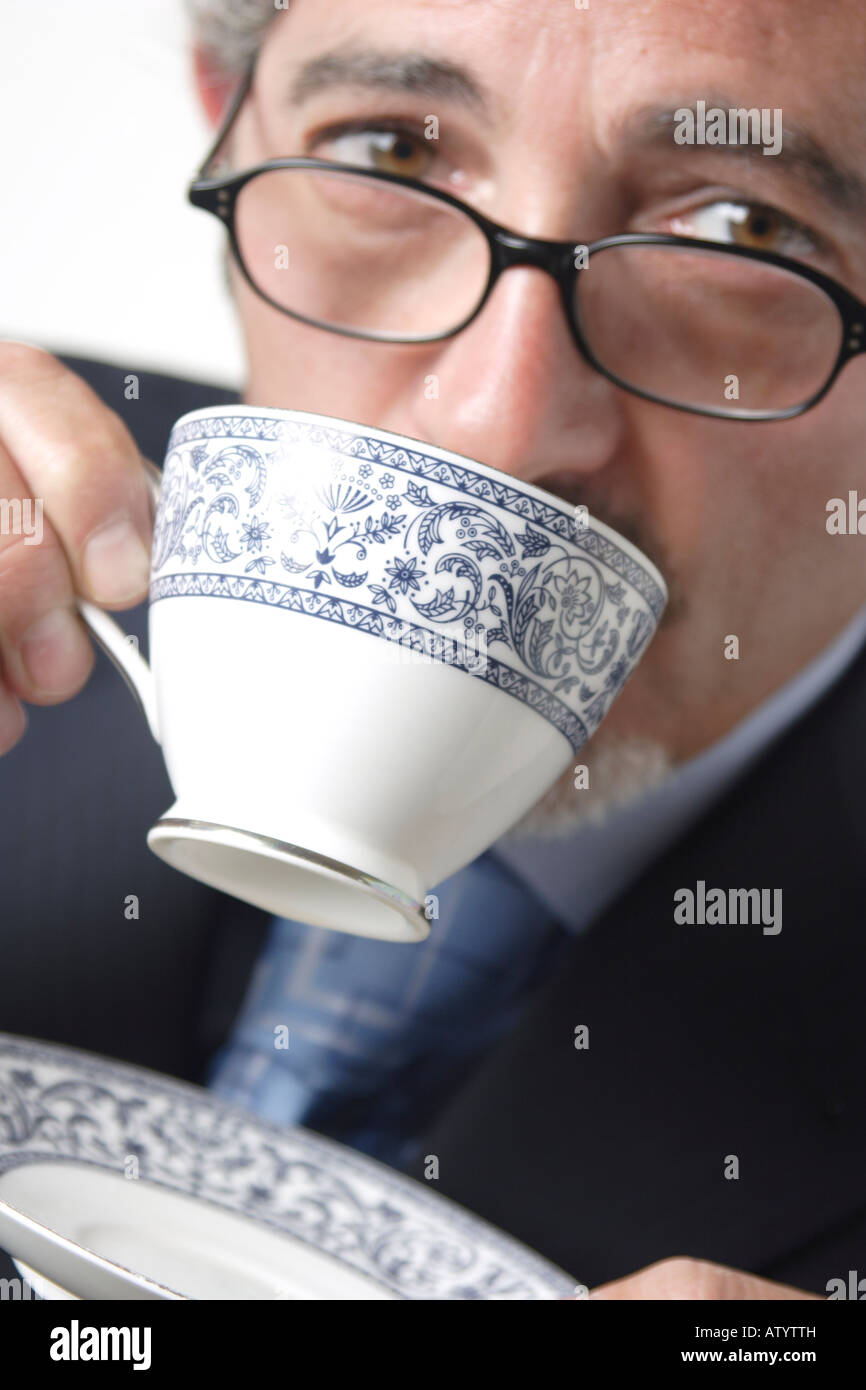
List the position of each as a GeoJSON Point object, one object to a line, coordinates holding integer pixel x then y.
{"type": "Point", "coordinates": [116, 1182]}
{"type": "Point", "coordinates": [368, 659]}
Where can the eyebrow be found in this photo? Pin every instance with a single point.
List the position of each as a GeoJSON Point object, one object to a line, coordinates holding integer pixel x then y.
{"type": "Point", "coordinates": [412, 72]}
{"type": "Point", "coordinates": [652, 126]}
{"type": "Point", "coordinates": [801, 153]}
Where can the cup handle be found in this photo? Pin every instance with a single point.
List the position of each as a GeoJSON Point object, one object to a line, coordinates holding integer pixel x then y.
{"type": "Point", "coordinates": [118, 646]}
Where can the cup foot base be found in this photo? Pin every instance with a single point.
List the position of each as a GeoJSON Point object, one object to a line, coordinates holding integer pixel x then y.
{"type": "Point", "coordinates": [287, 879]}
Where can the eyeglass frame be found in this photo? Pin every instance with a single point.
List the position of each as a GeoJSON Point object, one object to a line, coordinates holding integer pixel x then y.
{"type": "Point", "coordinates": [218, 194]}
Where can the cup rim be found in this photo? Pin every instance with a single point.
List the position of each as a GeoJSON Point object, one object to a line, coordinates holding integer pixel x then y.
{"type": "Point", "coordinates": [448, 455]}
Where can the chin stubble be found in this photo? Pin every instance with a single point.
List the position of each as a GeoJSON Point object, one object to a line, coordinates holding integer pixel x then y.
{"type": "Point", "coordinates": [621, 770]}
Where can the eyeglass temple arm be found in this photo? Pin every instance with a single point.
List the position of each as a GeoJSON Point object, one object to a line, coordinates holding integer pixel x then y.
{"type": "Point", "coordinates": [228, 119]}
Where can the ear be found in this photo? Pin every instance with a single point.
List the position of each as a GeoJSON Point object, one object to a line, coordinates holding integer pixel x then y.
{"type": "Point", "coordinates": [214, 86]}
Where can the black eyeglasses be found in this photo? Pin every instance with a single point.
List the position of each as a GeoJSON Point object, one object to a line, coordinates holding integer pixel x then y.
{"type": "Point", "coordinates": [726, 331]}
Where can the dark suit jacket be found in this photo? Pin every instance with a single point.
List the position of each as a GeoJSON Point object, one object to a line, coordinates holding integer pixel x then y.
{"type": "Point", "coordinates": [705, 1041]}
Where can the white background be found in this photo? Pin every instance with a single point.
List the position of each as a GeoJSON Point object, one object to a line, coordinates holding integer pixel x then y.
{"type": "Point", "coordinates": [100, 254]}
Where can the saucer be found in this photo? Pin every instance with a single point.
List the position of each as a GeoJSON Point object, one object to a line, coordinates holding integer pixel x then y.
{"type": "Point", "coordinates": [119, 1183]}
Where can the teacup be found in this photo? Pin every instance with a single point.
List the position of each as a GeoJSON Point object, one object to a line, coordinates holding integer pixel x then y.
{"type": "Point", "coordinates": [369, 657]}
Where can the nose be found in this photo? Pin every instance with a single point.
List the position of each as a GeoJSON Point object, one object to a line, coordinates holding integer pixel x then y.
{"type": "Point", "coordinates": [514, 391]}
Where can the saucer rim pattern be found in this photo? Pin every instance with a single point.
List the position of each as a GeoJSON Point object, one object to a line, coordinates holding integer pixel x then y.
{"type": "Point", "coordinates": [337, 1162]}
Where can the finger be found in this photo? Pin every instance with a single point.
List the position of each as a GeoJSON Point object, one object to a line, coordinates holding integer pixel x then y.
{"type": "Point", "coordinates": [684, 1279]}
{"type": "Point", "coordinates": [44, 650]}
{"type": "Point", "coordinates": [154, 477]}
{"type": "Point", "coordinates": [13, 718]}
{"type": "Point", "coordinates": [77, 455]}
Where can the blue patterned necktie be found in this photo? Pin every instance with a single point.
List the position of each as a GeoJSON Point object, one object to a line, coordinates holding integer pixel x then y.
{"type": "Point", "coordinates": [380, 1034]}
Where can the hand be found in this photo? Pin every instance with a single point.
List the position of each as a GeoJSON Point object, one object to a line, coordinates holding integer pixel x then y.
{"type": "Point", "coordinates": [682, 1278]}
{"type": "Point", "coordinates": [70, 475]}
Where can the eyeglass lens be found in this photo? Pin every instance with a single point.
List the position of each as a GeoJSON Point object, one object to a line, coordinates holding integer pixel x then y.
{"type": "Point", "coordinates": [690, 327]}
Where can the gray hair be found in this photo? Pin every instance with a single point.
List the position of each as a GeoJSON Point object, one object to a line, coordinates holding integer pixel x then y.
{"type": "Point", "coordinates": [232, 30]}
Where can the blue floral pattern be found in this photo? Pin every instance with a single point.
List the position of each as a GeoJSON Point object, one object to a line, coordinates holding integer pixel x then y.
{"type": "Point", "coordinates": [553, 614]}
{"type": "Point", "coordinates": [62, 1105]}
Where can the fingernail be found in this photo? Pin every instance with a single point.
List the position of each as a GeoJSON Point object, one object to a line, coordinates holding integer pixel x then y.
{"type": "Point", "coordinates": [116, 563]}
{"type": "Point", "coordinates": [53, 652]}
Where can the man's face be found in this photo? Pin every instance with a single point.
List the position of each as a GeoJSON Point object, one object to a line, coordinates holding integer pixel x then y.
{"type": "Point", "coordinates": [733, 513]}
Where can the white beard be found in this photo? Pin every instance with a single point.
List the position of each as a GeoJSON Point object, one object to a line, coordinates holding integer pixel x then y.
{"type": "Point", "coordinates": [621, 769]}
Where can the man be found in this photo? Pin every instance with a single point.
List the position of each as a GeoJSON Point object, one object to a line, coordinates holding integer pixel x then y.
{"type": "Point", "coordinates": [648, 1078]}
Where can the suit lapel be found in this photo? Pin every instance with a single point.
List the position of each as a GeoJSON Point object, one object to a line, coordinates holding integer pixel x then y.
{"type": "Point", "coordinates": [712, 1048]}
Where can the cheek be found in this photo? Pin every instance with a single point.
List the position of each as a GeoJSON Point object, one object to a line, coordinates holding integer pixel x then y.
{"type": "Point", "coordinates": [713, 489]}
{"type": "Point", "coordinates": [791, 469]}
{"type": "Point", "coordinates": [304, 368]}
{"type": "Point", "coordinates": [677, 466]}
{"type": "Point", "coordinates": [300, 367]}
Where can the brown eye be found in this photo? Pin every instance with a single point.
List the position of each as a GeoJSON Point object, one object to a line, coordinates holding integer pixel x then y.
{"type": "Point", "coordinates": [760, 229]}
{"type": "Point", "coordinates": [751, 225]}
{"type": "Point", "coordinates": [396, 152]}
{"type": "Point", "coordinates": [388, 151]}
